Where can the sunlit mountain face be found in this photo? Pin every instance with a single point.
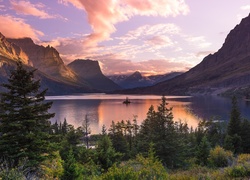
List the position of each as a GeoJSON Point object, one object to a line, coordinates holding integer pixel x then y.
{"type": "Point", "coordinates": [125, 36]}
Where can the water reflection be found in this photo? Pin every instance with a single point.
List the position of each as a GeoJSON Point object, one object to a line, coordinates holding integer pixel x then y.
{"type": "Point", "coordinates": [103, 109]}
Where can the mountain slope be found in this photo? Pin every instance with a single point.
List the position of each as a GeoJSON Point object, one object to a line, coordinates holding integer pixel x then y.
{"type": "Point", "coordinates": [46, 59]}
{"type": "Point", "coordinates": [227, 69]}
{"type": "Point", "coordinates": [12, 51]}
{"type": "Point", "coordinates": [54, 81]}
{"type": "Point", "coordinates": [88, 70]}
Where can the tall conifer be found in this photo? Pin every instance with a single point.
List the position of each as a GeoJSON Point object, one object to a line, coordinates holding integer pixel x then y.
{"type": "Point", "coordinates": [24, 118]}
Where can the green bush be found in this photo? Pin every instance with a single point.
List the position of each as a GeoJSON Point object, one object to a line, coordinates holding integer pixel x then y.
{"type": "Point", "coordinates": [218, 157]}
{"type": "Point", "coordinates": [13, 174]}
{"type": "Point", "coordinates": [120, 173]}
{"type": "Point", "coordinates": [237, 171]}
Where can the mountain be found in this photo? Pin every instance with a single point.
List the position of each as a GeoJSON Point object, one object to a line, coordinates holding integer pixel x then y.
{"type": "Point", "coordinates": [227, 70]}
{"type": "Point", "coordinates": [137, 80]}
{"type": "Point", "coordinates": [51, 77]}
{"type": "Point", "coordinates": [11, 51]}
{"type": "Point", "coordinates": [46, 59]}
{"type": "Point", "coordinates": [90, 71]}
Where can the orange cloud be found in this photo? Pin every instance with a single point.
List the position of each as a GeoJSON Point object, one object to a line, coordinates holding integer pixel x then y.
{"type": "Point", "coordinates": [17, 28]}
{"type": "Point", "coordinates": [26, 8]}
{"type": "Point", "coordinates": [103, 15]}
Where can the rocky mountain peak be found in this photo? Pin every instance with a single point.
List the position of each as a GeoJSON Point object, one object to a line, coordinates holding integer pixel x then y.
{"type": "Point", "coordinates": [136, 75]}
{"type": "Point", "coordinates": [86, 68]}
{"type": "Point", "coordinates": [237, 42]}
{"type": "Point", "coordinates": [90, 71]}
{"type": "Point", "coordinates": [46, 59]}
{"type": "Point", "coordinates": [12, 51]}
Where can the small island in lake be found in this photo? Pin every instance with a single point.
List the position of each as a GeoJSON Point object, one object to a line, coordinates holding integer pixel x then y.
{"type": "Point", "coordinates": [127, 101]}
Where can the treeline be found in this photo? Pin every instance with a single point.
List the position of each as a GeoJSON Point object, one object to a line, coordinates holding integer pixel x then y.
{"type": "Point", "coordinates": [159, 148]}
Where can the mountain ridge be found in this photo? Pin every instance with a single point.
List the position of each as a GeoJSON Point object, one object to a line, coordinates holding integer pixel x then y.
{"type": "Point", "coordinates": [228, 69]}
{"type": "Point", "coordinates": [51, 70]}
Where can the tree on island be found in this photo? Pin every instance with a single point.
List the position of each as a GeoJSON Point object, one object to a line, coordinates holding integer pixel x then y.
{"type": "Point", "coordinates": [24, 119]}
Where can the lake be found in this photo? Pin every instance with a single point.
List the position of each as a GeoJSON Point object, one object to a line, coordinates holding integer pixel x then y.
{"type": "Point", "coordinates": [102, 109]}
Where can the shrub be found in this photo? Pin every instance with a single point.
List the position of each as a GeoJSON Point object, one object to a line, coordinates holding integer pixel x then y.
{"type": "Point", "coordinates": [52, 168]}
{"type": "Point", "coordinates": [243, 158]}
{"type": "Point", "coordinates": [12, 174]}
{"type": "Point", "coordinates": [120, 173]}
{"type": "Point", "coordinates": [237, 171]}
{"type": "Point", "coordinates": [218, 157]}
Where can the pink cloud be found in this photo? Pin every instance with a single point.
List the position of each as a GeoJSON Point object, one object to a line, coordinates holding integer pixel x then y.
{"type": "Point", "coordinates": [103, 15]}
{"type": "Point", "coordinates": [160, 41]}
{"type": "Point", "coordinates": [26, 8]}
{"type": "Point", "coordinates": [17, 28]}
{"type": "Point", "coordinates": [154, 66]}
{"type": "Point", "coordinates": [157, 7]}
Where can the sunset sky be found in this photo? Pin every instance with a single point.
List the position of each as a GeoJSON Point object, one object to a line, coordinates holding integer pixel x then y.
{"type": "Point", "coordinates": [152, 36]}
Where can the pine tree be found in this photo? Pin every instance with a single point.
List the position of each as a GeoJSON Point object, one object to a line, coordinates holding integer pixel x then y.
{"type": "Point", "coordinates": [159, 129]}
{"type": "Point", "coordinates": [24, 118]}
{"type": "Point", "coordinates": [105, 152]}
{"type": "Point", "coordinates": [71, 168]}
{"type": "Point", "coordinates": [235, 119]}
{"type": "Point", "coordinates": [234, 128]}
{"type": "Point", "coordinates": [203, 152]}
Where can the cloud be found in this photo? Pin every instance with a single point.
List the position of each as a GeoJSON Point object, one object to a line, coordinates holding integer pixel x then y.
{"type": "Point", "coordinates": [199, 41]}
{"type": "Point", "coordinates": [26, 8]}
{"type": "Point", "coordinates": [246, 7]}
{"type": "Point", "coordinates": [103, 15]}
{"type": "Point", "coordinates": [157, 7]}
{"type": "Point", "coordinates": [148, 67]}
{"type": "Point", "coordinates": [161, 41]}
{"type": "Point", "coordinates": [17, 28]}
{"type": "Point", "coordinates": [2, 7]}
{"type": "Point", "coordinates": [150, 30]}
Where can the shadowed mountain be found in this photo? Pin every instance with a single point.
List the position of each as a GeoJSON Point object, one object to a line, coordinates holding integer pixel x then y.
{"type": "Point", "coordinates": [90, 71]}
{"type": "Point", "coordinates": [226, 70]}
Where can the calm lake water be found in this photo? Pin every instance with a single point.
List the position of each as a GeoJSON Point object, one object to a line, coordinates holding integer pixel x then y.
{"type": "Point", "coordinates": [102, 109]}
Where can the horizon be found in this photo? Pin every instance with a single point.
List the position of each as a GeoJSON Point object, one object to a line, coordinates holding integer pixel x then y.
{"type": "Point", "coordinates": [153, 37]}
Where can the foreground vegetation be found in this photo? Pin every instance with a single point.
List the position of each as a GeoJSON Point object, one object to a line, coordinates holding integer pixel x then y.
{"type": "Point", "coordinates": [32, 148]}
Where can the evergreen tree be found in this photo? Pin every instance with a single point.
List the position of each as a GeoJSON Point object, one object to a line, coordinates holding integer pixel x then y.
{"type": "Point", "coordinates": [71, 168]}
{"type": "Point", "coordinates": [234, 128]}
{"type": "Point", "coordinates": [234, 124]}
{"type": "Point", "coordinates": [64, 127]}
{"type": "Point", "coordinates": [245, 136]}
{"type": "Point", "coordinates": [106, 153]}
{"type": "Point", "coordinates": [24, 118]}
{"type": "Point", "coordinates": [203, 152]}
{"type": "Point", "coordinates": [159, 129]}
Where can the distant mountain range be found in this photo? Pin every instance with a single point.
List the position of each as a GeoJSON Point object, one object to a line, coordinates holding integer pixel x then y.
{"type": "Point", "coordinates": [224, 72]}
{"type": "Point", "coordinates": [137, 80]}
